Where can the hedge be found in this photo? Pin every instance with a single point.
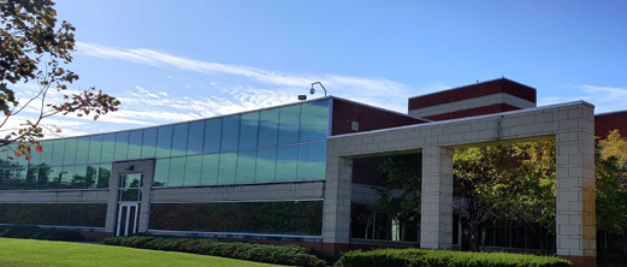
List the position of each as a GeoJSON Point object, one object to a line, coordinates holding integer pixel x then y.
{"type": "Point", "coordinates": [444, 258]}
{"type": "Point", "coordinates": [277, 254]}
{"type": "Point", "coordinates": [35, 232]}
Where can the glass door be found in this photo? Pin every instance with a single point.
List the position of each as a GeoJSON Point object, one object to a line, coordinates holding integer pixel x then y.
{"type": "Point", "coordinates": [129, 198]}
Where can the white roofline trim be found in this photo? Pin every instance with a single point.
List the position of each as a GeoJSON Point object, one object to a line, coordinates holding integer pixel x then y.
{"type": "Point", "coordinates": [611, 112]}
{"type": "Point", "coordinates": [460, 87]}
{"type": "Point", "coordinates": [468, 118]}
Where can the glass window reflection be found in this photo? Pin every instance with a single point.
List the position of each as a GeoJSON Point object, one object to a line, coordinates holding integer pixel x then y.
{"type": "Point", "coordinates": [79, 180]}
{"type": "Point", "coordinates": [268, 127]}
{"type": "Point", "coordinates": [95, 143]}
{"type": "Point", "coordinates": [135, 145]}
{"type": "Point", "coordinates": [314, 121]}
{"type": "Point", "coordinates": [246, 166]}
{"type": "Point", "coordinates": [164, 141]}
{"type": "Point", "coordinates": [312, 161]}
{"type": "Point", "coordinates": [82, 150]}
{"type": "Point", "coordinates": [266, 165]}
{"type": "Point", "coordinates": [193, 169]}
{"type": "Point", "coordinates": [249, 130]}
{"type": "Point", "coordinates": [230, 133]}
{"type": "Point", "coordinates": [228, 165]}
{"type": "Point", "coordinates": [179, 140]}
{"type": "Point", "coordinates": [148, 143]}
{"type": "Point", "coordinates": [196, 136]}
{"type": "Point", "coordinates": [108, 144]}
{"type": "Point", "coordinates": [104, 175]}
{"type": "Point", "coordinates": [121, 146]}
{"type": "Point", "coordinates": [210, 166]}
{"type": "Point", "coordinates": [177, 172]}
{"type": "Point", "coordinates": [162, 171]}
{"type": "Point", "coordinates": [213, 131]}
{"type": "Point", "coordinates": [289, 123]}
{"type": "Point", "coordinates": [58, 152]}
{"type": "Point", "coordinates": [286, 163]}
{"type": "Point", "coordinates": [46, 154]}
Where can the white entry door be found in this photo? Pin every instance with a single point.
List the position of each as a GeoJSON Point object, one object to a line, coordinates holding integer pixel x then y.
{"type": "Point", "coordinates": [127, 219]}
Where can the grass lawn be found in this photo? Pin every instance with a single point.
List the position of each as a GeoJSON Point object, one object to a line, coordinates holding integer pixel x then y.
{"type": "Point", "coordinates": [23, 252]}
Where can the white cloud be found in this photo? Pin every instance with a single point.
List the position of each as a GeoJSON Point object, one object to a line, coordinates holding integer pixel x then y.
{"type": "Point", "coordinates": [376, 91]}
{"type": "Point", "coordinates": [605, 99]}
{"type": "Point", "coordinates": [169, 76]}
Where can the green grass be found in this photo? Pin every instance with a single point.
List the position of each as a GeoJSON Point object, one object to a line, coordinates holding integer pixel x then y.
{"type": "Point", "coordinates": [20, 252]}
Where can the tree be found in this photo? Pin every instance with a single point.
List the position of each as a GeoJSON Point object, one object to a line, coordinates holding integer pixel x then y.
{"type": "Point", "coordinates": [32, 47]}
{"type": "Point", "coordinates": [402, 174]}
{"type": "Point", "coordinates": [611, 188]}
{"type": "Point", "coordinates": [477, 171]}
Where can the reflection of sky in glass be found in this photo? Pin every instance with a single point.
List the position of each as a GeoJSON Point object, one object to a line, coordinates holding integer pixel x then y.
{"type": "Point", "coordinates": [135, 145]}
{"type": "Point", "coordinates": [251, 137]}
{"type": "Point", "coordinates": [314, 121]}
{"type": "Point", "coordinates": [179, 140]}
{"type": "Point", "coordinates": [95, 145]}
{"type": "Point", "coordinates": [246, 166]}
{"type": "Point", "coordinates": [196, 136]}
{"type": "Point", "coordinates": [148, 143]}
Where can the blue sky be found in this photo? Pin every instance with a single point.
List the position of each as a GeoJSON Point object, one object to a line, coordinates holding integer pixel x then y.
{"type": "Point", "coordinates": [178, 60]}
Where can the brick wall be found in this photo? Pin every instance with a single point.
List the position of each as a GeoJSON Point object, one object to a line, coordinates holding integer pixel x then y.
{"type": "Point", "coordinates": [369, 118]}
{"type": "Point", "coordinates": [604, 123]}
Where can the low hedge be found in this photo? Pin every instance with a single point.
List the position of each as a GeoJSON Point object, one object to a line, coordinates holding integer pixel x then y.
{"type": "Point", "coordinates": [444, 258]}
{"type": "Point", "coordinates": [277, 254]}
{"type": "Point", "coordinates": [35, 232]}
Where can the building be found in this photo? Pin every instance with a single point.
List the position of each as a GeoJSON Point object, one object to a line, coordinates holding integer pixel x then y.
{"type": "Point", "coordinates": [294, 173]}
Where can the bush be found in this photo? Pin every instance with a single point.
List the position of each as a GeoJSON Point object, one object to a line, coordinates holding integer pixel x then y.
{"type": "Point", "coordinates": [277, 254]}
{"type": "Point", "coordinates": [34, 232]}
{"type": "Point", "coordinates": [444, 258]}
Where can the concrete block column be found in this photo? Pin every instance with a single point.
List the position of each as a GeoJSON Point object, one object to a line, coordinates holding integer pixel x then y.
{"type": "Point", "coordinates": [336, 221]}
{"type": "Point", "coordinates": [436, 231]}
{"type": "Point", "coordinates": [575, 183]}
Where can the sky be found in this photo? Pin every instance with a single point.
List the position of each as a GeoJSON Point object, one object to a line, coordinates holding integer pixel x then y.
{"type": "Point", "coordinates": [171, 61]}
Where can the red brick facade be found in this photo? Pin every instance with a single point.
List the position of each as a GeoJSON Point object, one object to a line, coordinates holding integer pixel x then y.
{"type": "Point", "coordinates": [604, 123]}
{"type": "Point", "coordinates": [474, 90]}
{"type": "Point", "coordinates": [369, 118]}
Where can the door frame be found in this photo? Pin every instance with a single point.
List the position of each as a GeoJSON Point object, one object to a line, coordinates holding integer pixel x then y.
{"type": "Point", "coordinates": [127, 218]}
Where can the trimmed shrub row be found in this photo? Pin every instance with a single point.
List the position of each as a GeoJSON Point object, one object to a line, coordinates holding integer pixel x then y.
{"type": "Point", "coordinates": [35, 232]}
{"type": "Point", "coordinates": [444, 258]}
{"type": "Point", "coordinates": [277, 254]}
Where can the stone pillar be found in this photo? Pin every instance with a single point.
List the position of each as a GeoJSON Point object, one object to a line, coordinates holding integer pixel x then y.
{"type": "Point", "coordinates": [336, 221]}
{"type": "Point", "coordinates": [436, 230]}
{"type": "Point", "coordinates": [575, 183]}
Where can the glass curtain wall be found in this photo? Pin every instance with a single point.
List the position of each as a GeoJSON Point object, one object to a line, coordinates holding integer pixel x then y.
{"type": "Point", "coordinates": [280, 144]}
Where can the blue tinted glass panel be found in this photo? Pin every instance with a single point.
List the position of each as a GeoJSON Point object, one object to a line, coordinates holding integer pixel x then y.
{"type": "Point", "coordinates": [269, 127]}
{"type": "Point", "coordinates": [249, 130]}
{"type": "Point", "coordinates": [228, 168]}
{"type": "Point", "coordinates": [213, 130]}
{"type": "Point", "coordinates": [58, 151]}
{"type": "Point", "coordinates": [46, 154]}
{"type": "Point", "coordinates": [314, 121]}
{"type": "Point", "coordinates": [179, 140]}
{"type": "Point", "coordinates": [149, 142]}
{"type": "Point", "coordinates": [121, 146]}
{"type": "Point", "coordinates": [45, 173]}
{"type": "Point", "coordinates": [289, 123]}
{"type": "Point", "coordinates": [135, 145]}
{"type": "Point", "coordinates": [230, 133]}
{"type": "Point", "coordinates": [54, 177]}
{"type": "Point", "coordinates": [312, 161]}
{"type": "Point", "coordinates": [35, 158]}
{"type": "Point", "coordinates": [108, 143]}
{"type": "Point", "coordinates": [69, 157]}
{"type": "Point", "coordinates": [18, 161]}
{"type": "Point", "coordinates": [266, 165]}
{"type": "Point", "coordinates": [31, 178]}
{"type": "Point", "coordinates": [162, 171]}
{"type": "Point", "coordinates": [82, 150]}
{"type": "Point", "coordinates": [286, 163]}
{"type": "Point", "coordinates": [246, 166]}
{"type": "Point", "coordinates": [177, 171]}
{"type": "Point", "coordinates": [4, 161]}
{"type": "Point", "coordinates": [95, 145]}
{"type": "Point", "coordinates": [164, 141]}
{"type": "Point", "coordinates": [210, 166]}
{"type": "Point", "coordinates": [66, 177]}
{"type": "Point", "coordinates": [79, 180]}
{"type": "Point", "coordinates": [91, 176]}
{"type": "Point", "coordinates": [193, 169]}
{"type": "Point", "coordinates": [196, 137]}
{"type": "Point", "coordinates": [104, 175]}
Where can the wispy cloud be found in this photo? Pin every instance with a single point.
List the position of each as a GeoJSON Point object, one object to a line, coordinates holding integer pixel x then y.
{"type": "Point", "coordinates": [376, 91]}
{"type": "Point", "coordinates": [605, 99]}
